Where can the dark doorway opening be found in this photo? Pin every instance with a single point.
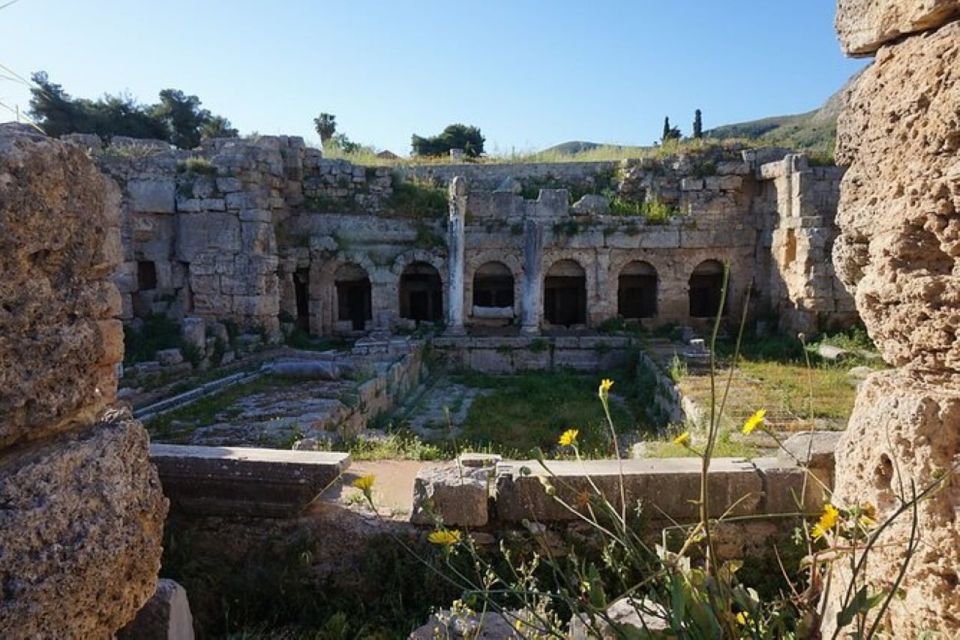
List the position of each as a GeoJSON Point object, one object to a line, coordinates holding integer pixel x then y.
{"type": "Point", "coordinates": [421, 293]}
{"type": "Point", "coordinates": [637, 291]}
{"type": "Point", "coordinates": [301, 292]}
{"type": "Point", "coordinates": [353, 296]}
{"type": "Point", "coordinates": [146, 275]}
{"type": "Point", "coordinates": [706, 290]}
{"type": "Point", "coordinates": [565, 294]}
{"type": "Point", "coordinates": [493, 286]}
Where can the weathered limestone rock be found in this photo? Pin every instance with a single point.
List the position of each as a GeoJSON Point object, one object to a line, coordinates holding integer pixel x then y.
{"type": "Point", "coordinates": [591, 203]}
{"type": "Point", "coordinates": [455, 625]}
{"type": "Point", "coordinates": [455, 495]}
{"type": "Point", "coordinates": [166, 616]}
{"type": "Point", "coordinates": [865, 25]}
{"type": "Point", "coordinates": [80, 532]}
{"type": "Point", "coordinates": [904, 430]}
{"type": "Point", "coordinates": [899, 250]}
{"type": "Point", "coordinates": [82, 512]}
{"type": "Point", "coordinates": [628, 617]}
{"type": "Point", "coordinates": [59, 240]}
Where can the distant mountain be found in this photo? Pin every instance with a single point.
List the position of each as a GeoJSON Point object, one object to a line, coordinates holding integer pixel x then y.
{"type": "Point", "coordinates": [572, 148]}
{"type": "Point", "coordinates": [814, 131]}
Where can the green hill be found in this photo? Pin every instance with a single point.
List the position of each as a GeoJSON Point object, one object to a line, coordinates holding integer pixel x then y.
{"type": "Point", "coordinates": [814, 131]}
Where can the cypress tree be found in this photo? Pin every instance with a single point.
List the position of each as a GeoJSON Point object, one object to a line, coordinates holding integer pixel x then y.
{"type": "Point", "coordinates": [697, 124]}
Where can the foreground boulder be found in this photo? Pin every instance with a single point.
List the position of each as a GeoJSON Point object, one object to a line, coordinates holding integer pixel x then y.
{"type": "Point", "coordinates": [899, 253]}
{"type": "Point", "coordinates": [81, 510]}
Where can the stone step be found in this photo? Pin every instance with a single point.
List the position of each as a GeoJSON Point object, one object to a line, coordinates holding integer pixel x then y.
{"type": "Point", "coordinates": [270, 483]}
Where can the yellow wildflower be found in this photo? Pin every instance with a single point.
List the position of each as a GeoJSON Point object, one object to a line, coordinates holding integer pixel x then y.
{"type": "Point", "coordinates": [828, 520]}
{"type": "Point", "coordinates": [754, 421]}
{"type": "Point", "coordinates": [604, 389]}
{"type": "Point", "coordinates": [445, 537]}
{"type": "Point", "coordinates": [743, 617]}
{"type": "Point", "coordinates": [868, 515]}
{"type": "Point", "coordinates": [683, 439]}
{"type": "Point", "coordinates": [569, 437]}
{"type": "Point", "coordinates": [364, 483]}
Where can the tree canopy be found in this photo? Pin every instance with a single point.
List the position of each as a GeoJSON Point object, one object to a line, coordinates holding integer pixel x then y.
{"type": "Point", "coordinates": [326, 126]}
{"type": "Point", "coordinates": [455, 136]}
{"type": "Point", "coordinates": [177, 118]}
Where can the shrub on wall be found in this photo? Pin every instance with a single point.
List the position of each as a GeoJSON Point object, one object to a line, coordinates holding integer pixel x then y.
{"type": "Point", "coordinates": [417, 199]}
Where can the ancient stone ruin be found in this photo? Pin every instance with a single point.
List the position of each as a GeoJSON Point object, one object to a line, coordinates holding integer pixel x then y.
{"type": "Point", "coordinates": [82, 516]}
{"type": "Point", "coordinates": [265, 232]}
{"type": "Point", "coordinates": [899, 137]}
{"type": "Point", "coordinates": [250, 244]}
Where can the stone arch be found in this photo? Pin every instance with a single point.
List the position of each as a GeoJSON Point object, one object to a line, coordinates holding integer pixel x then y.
{"type": "Point", "coordinates": [420, 292]}
{"type": "Point", "coordinates": [565, 293]}
{"type": "Point", "coordinates": [637, 290]}
{"type": "Point", "coordinates": [354, 296]}
{"type": "Point", "coordinates": [511, 261]}
{"type": "Point", "coordinates": [324, 294]}
{"type": "Point", "coordinates": [706, 290]}
{"type": "Point", "coordinates": [391, 300]}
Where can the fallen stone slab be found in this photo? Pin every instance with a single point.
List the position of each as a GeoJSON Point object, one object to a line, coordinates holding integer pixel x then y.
{"type": "Point", "coordinates": [270, 483]}
{"type": "Point", "coordinates": [165, 616]}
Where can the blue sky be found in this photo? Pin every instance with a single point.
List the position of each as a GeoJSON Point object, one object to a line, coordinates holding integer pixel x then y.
{"type": "Point", "coordinates": [529, 73]}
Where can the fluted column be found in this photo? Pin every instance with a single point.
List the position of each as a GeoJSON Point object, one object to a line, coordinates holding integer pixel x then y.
{"type": "Point", "coordinates": [532, 302]}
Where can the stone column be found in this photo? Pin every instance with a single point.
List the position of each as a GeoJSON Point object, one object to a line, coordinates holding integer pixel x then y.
{"type": "Point", "coordinates": [455, 259]}
{"type": "Point", "coordinates": [532, 303]}
{"type": "Point", "coordinates": [899, 254]}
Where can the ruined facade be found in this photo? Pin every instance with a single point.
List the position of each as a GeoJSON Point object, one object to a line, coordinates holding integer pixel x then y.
{"type": "Point", "coordinates": [82, 516]}
{"type": "Point", "coordinates": [898, 253]}
{"type": "Point", "coordinates": [267, 232]}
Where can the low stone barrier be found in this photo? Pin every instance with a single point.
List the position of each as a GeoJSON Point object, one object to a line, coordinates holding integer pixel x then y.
{"type": "Point", "coordinates": [244, 481]}
{"type": "Point", "coordinates": [500, 354]}
{"type": "Point", "coordinates": [756, 499]}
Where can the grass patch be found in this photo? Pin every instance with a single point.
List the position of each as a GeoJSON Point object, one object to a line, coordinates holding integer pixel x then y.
{"type": "Point", "coordinates": [529, 411]}
{"type": "Point", "coordinates": [417, 199]}
{"type": "Point", "coordinates": [201, 166]}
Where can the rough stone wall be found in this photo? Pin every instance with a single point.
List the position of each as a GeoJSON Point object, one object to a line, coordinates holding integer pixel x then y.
{"type": "Point", "coordinates": [899, 253]}
{"type": "Point", "coordinates": [805, 293]}
{"type": "Point", "coordinates": [82, 516]}
{"type": "Point", "coordinates": [237, 229]}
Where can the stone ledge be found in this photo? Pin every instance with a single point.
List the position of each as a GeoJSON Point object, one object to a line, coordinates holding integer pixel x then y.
{"type": "Point", "coordinates": [521, 494]}
{"type": "Point", "coordinates": [270, 483]}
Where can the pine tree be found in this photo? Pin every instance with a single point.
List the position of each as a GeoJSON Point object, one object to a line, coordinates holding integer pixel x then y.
{"type": "Point", "coordinates": [697, 124]}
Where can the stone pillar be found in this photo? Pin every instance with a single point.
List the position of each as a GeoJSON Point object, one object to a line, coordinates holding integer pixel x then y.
{"type": "Point", "coordinates": [532, 303]}
{"type": "Point", "coordinates": [455, 254]}
{"type": "Point", "coordinates": [899, 254]}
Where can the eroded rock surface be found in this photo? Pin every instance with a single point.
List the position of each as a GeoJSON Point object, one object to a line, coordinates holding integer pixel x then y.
{"type": "Point", "coordinates": [81, 510]}
{"type": "Point", "coordinates": [899, 252]}
{"type": "Point", "coordinates": [80, 532]}
{"type": "Point", "coordinates": [899, 247]}
{"type": "Point", "coordinates": [865, 25]}
{"type": "Point", "coordinates": [59, 241]}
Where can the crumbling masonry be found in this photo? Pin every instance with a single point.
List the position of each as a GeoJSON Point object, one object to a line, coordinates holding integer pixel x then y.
{"type": "Point", "coordinates": [267, 232]}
